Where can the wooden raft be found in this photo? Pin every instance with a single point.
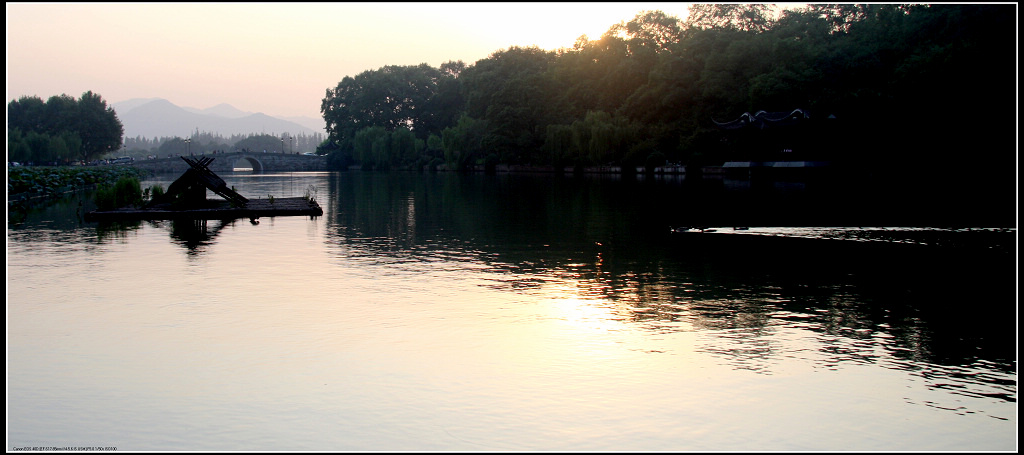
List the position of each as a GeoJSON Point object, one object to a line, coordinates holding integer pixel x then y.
{"type": "Point", "coordinates": [186, 199]}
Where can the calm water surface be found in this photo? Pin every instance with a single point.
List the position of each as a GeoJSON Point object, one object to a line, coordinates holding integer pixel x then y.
{"type": "Point", "coordinates": [445, 312]}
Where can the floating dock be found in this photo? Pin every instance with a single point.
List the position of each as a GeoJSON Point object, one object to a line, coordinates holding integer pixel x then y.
{"type": "Point", "coordinates": [186, 199]}
{"type": "Point", "coordinates": [214, 210]}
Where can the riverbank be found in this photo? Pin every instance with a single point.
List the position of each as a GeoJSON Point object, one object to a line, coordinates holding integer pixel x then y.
{"type": "Point", "coordinates": [731, 168]}
{"type": "Point", "coordinates": [36, 182]}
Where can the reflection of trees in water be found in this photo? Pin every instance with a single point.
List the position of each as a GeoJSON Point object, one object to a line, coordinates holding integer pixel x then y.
{"type": "Point", "coordinates": [744, 349]}
{"type": "Point", "coordinates": [63, 216]}
{"type": "Point", "coordinates": [59, 212]}
{"type": "Point", "coordinates": [982, 380]}
{"type": "Point", "coordinates": [109, 230]}
{"type": "Point", "coordinates": [194, 235]}
{"type": "Point", "coordinates": [611, 241]}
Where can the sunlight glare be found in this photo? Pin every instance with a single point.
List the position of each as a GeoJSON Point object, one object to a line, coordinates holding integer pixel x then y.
{"type": "Point", "coordinates": [587, 314]}
{"type": "Point", "coordinates": [590, 19]}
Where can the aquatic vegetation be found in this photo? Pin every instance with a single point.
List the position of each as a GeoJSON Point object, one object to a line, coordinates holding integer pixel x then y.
{"type": "Point", "coordinates": [310, 195]}
{"type": "Point", "coordinates": [46, 180]}
{"type": "Point", "coordinates": [127, 191]}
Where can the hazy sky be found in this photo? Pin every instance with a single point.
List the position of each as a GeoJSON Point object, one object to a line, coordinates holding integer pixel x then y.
{"type": "Point", "coordinates": [275, 58]}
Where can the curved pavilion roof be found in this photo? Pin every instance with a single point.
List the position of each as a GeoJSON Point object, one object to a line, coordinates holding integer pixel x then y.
{"type": "Point", "coordinates": [764, 119]}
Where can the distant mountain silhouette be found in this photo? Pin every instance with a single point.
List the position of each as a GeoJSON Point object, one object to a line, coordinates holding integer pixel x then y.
{"type": "Point", "coordinates": [316, 124]}
{"type": "Point", "coordinates": [220, 110]}
{"type": "Point", "coordinates": [125, 106]}
{"type": "Point", "coordinates": [157, 117]}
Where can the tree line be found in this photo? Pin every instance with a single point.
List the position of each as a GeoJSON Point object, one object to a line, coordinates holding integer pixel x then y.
{"type": "Point", "coordinates": [200, 142]}
{"type": "Point", "coordinates": [62, 129]}
{"type": "Point", "coordinates": [906, 84]}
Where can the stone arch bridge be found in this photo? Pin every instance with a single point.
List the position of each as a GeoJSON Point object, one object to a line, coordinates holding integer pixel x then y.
{"type": "Point", "coordinates": [227, 162]}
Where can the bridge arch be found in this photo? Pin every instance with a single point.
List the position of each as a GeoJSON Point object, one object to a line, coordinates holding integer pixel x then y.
{"type": "Point", "coordinates": [226, 162]}
{"type": "Point", "coordinates": [253, 162]}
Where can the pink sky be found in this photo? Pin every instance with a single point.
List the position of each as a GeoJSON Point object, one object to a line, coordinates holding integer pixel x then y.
{"type": "Point", "coordinates": [275, 58]}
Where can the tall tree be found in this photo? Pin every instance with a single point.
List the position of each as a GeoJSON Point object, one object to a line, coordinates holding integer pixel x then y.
{"type": "Point", "coordinates": [746, 17]}
{"type": "Point", "coordinates": [390, 97]}
{"type": "Point", "coordinates": [443, 108]}
{"type": "Point", "coordinates": [95, 126]}
{"type": "Point", "coordinates": [929, 77]}
{"type": "Point", "coordinates": [652, 30]}
{"type": "Point", "coordinates": [512, 92]}
{"type": "Point", "coordinates": [27, 113]}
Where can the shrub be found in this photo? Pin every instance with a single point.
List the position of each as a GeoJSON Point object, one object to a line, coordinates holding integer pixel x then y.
{"type": "Point", "coordinates": [156, 192]}
{"type": "Point", "coordinates": [310, 195]}
{"type": "Point", "coordinates": [105, 199]}
{"type": "Point", "coordinates": [125, 192]}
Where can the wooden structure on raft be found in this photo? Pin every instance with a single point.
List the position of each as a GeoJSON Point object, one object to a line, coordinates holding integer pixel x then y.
{"type": "Point", "coordinates": [186, 199]}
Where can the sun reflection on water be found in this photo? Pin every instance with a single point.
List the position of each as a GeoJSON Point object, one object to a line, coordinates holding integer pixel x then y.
{"type": "Point", "coordinates": [587, 314]}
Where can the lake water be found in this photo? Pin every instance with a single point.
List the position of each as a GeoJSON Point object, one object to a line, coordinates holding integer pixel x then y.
{"type": "Point", "coordinates": [513, 313]}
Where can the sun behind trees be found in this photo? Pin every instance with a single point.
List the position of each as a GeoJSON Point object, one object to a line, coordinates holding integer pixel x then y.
{"type": "Point", "coordinates": [62, 129]}
{"type": "Point", "coordinates": [894, 76]}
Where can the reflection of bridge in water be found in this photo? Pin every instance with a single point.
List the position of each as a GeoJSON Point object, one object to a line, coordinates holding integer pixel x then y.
{"type": "Point", "coordinates": [227, 162]}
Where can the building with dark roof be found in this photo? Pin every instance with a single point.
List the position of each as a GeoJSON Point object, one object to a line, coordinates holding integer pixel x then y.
{"type": "Point", "coordinates": [776, 140]}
